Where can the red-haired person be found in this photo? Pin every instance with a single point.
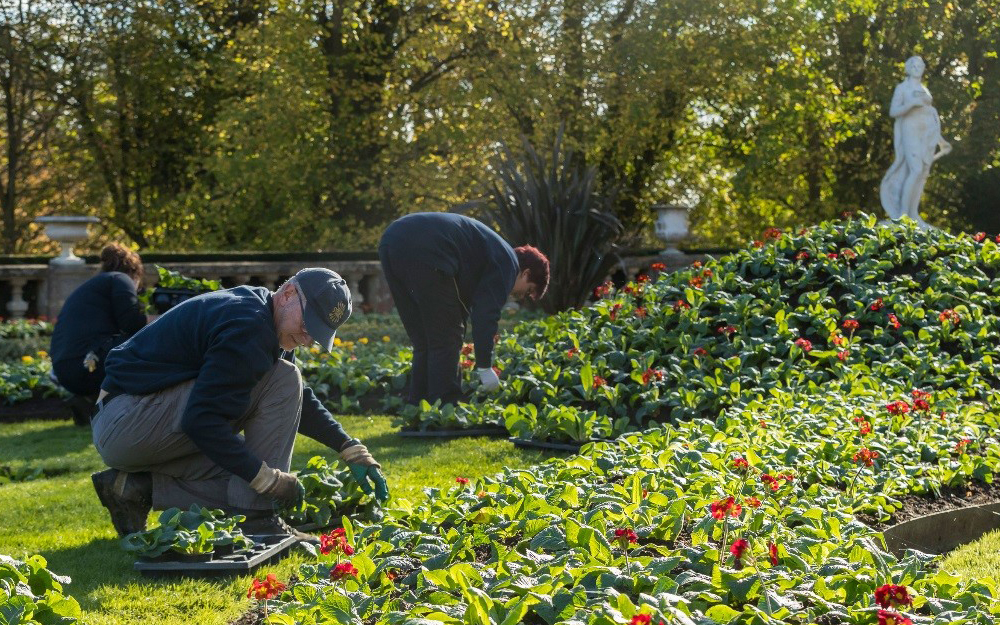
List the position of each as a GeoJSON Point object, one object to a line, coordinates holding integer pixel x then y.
{"type": "Point", "coordinates": [442, 270]}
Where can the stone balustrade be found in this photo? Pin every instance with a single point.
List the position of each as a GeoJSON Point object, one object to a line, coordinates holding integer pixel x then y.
{"type": "Point", "coordinates": [38, 289]}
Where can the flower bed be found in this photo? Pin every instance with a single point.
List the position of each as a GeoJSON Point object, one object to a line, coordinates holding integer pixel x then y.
{"type": "Point", "coordinates": [812, 381]}
{"type": "Point", "coordinates": [707, 521]}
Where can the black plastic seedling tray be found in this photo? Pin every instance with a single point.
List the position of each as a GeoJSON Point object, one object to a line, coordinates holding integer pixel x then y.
{"type": "Point", "coordinates": [479, 431]}
{"type": "Point", "coordinates": [267, 548]}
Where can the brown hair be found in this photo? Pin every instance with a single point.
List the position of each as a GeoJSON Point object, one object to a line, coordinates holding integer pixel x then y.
{"type": "Point", "coordinates": [117, 257]}
{"type": "Point", "coordinates": [537, 266]}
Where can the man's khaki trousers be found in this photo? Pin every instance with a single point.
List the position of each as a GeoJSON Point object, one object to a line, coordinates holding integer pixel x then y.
{"type": "Point", "coordinates": [136, 433]}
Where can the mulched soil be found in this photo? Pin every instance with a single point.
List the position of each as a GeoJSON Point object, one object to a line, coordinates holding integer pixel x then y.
{"type": "Point", "coordinates": [973, 494]}
{"type": "Point", "coordinates": [252, 617]}
{"type": "Point", "coordinates": [48, 409]}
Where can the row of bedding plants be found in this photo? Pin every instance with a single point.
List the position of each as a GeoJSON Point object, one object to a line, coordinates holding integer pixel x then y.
{"type": "Point", "coordinates": [746, 518]}
{"type": "Point", "coordinates": [31, 593]}
{"type": "Point", "coordinates": [28, 377]}
{"type": "Point", "coordinates": [830, 305]}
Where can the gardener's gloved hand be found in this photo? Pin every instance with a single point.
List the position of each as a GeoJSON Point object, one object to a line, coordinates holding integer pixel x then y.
{"type": "Point", "coordinates": [488, 379]}
{"type": "Point", "coordinates": [365, 471]}
{"type": "Point", "coordinates": [284, 488]}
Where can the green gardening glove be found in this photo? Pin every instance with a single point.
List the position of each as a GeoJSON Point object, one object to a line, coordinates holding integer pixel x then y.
{"type": "Point", "coordinates": [366, 471]}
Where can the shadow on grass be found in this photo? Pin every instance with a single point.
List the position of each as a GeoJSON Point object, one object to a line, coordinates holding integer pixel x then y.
{"type": "Point", "coordinates": [36, 446]}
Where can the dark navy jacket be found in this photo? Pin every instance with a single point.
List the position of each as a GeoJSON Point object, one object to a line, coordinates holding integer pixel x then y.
{"type": "Point", "coordinates": [101, 313]}
{"type": "Point", "coordinates": [483, 264]}
{"type": "Point", "coordinates": [228, 342]}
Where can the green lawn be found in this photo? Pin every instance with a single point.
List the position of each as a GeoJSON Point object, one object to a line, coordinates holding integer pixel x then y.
{"type": "Point", "coordinates": [60, 517]}
{"type": "Point", "coordinates": [976, 560]}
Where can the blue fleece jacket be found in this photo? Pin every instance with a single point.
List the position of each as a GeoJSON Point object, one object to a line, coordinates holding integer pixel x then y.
{"type": "Point", "coordinates": [227, 341]}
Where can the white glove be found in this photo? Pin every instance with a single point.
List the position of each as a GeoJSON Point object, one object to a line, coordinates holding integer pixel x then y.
{"type": "Point", "coordinates": [488, 379]}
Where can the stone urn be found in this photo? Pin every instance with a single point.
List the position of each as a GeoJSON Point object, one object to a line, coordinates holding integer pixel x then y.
{"type": "Point", "coordinates": [671, 226]}
{"type": "Point", "coordinates": [67, 230]}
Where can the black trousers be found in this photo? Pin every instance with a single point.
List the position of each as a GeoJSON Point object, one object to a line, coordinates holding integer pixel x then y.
{"type": "Point", "coordinates": [434, 318]}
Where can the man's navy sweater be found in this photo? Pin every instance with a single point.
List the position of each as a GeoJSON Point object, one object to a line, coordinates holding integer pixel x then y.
{"type": "Point", "coordinates": [483, 265]}
{"type": "Point", "coordinates": [227, 341]}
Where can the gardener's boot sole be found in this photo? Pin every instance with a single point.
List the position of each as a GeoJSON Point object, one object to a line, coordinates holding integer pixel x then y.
{"type": "Point", "coordinates": [129, 510]}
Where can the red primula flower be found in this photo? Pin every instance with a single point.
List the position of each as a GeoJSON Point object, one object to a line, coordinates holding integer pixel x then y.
{"type": "Point", "coordinates": [603, 289]}
{"type": "Point", "coordinates": [727, 330]}
{"type": "Point", "coordinates": [265, 589]}
{"type": "Point", "coordinates": [599, 381]}
{"type": "Point", "coordinates": [752, 501]}
{"type": "Point", "coordinates": [850, 325]}
{"type": "Point", "coordinates": [832, 256]}
{"type": "Point", "coordinates": [877, 305]}
{"type": "Point", "coordinates": [962, 444]}
{"type": "Point", "coordinates": [772, 233]}
{"type": "Point", "coordinates": [997, 239]}
{"type": "Point", "coordinates": [842, 355]}
{"type": "Point", "coordinates": [614, 311]}
{"type": "Point", "coordinates": [804, 344]}
{"type": "Point", "coordinates": [642, 278]}
{"type": "Point", "coordinates": [803, 255]}
{"type": "Point", "coordinates": [848, 253]}
{"type": "Point", "coordinates": [706, 273]}
{"type": "Point", "coordinates": [864, 427]}
{"type": "Point", "coordinates": [571, 352]}
{"type": "Point", "coordinates": [640, 312]}
{"type": "Point", "coordinates": [892, 596]}
{"type": "Point", "coordinates": [467, 349]}
{"type": "Point", "coordinates": [700, 351]}
{"type": "Point", "coordinates": [919, 394]}
{"type": "Point", "coordinates": [738, 547]}
{"type": "Point", "coordinates": [651, 374]}
{"type": "Point", "coordinates": [865, 456]}
{"type": "Point", "coordinates": [467, 364]}
{"type": "Point", "coordinates": [658, 267]}
{"type": "Point", "coordinates": [949, 314]}
{"type": "Point", "coordinates": [642, 619]}
{"type": "Point", "coordinates": [979, 236]}
{"type": "Point", "coordinates": [740, 463]}
{"type": "Point", "coordinates": [772, 551]}
{"type": "Point", "coordinates": [885, 617]}
{"type": "Point", "coordinates": [695, 281]}
{"type": "Point", "coordinates": [342, 570]}
{"type": "Point", "coordinates": [921, 404]}
{"type": "Point", "coordinates": [837, 340]}
{"type": "Point", "coordinates": [696, 264]}
{"type": "Point", "coordinates": [335, 541]}
{"type": "Point", "coordinates": [679, 304]}
{"type": "Point", "coordinates": [758, 244]}
{"type": "Point", "coordinates": [625, 535]}
{"type": "Point", "coordinates": [894, 321]}
{"type": "Point", "coordinates": [898, 407]}
{"type": "Point", "coordinates": [462, 480]}
{"type": "Point", "coordinates": [725, 506]}
{"type": "Point", "coordinates": [847, 214]}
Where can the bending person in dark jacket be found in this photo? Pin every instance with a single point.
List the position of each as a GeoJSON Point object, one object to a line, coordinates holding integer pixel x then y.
{"type": "Point", "coordinates": [100, 314]}
{"type": "Point", "coordinates": [441, 269]}
{"type": "Point", "coordinates": [178, 394]}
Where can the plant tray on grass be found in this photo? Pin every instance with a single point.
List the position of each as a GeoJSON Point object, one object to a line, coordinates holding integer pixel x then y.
{"type": "Point", "coordinates": [267, 548]}
{"type": "Point", "coordinates": [455, 432]}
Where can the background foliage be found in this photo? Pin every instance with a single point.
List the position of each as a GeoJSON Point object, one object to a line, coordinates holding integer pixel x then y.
{"type": "Point", "coordinates": [307, 124]}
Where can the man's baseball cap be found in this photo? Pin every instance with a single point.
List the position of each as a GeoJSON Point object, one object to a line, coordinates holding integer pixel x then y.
{"type": "Point", "coordinates": [328, 303]}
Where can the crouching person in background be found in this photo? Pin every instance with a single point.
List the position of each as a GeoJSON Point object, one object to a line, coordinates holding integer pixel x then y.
{"type": "Point", "coordinates": [203, 406]}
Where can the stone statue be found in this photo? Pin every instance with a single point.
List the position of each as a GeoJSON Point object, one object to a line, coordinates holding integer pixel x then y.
{"type": "Point", "coordinates": [918, 143]}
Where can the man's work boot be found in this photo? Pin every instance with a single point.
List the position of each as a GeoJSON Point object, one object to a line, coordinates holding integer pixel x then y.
{"type": "Point", "coordinates": [127, 496]}
{"type": "Point", "coordinates": [270, 523]}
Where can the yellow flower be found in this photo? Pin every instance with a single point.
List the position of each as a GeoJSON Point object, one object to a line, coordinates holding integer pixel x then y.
{"type": "Point", "coordinates": [314, 350]}
{"type": "Point", "coordinates": [386, 339]}
{"type": "Point", "coordinates": [337, 341]}
{"type": "Point", "coordinates": [42, 353]}
{"type": "Point", "coordinates": [27, 360]}
{"type": "Point", "coordinates": [363, 340]}
{"type": "Point", "coordinates": [349, 344]}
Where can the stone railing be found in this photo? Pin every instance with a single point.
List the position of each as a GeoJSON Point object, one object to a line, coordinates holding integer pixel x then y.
{"type": "Point", "coordinates": [34, 289]}
{"type": "Point", "coordinates": [39, 290]}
